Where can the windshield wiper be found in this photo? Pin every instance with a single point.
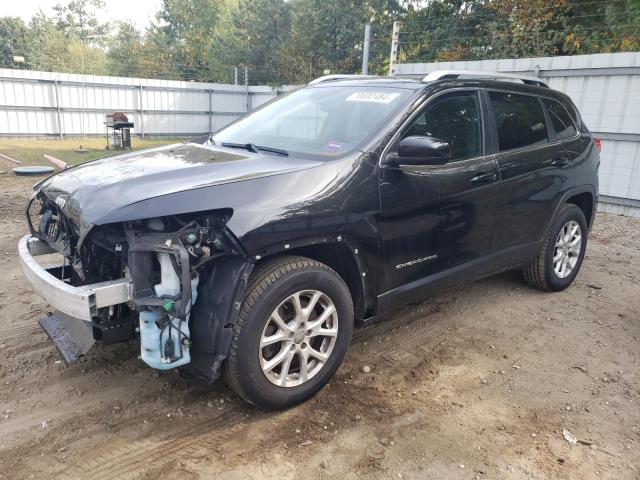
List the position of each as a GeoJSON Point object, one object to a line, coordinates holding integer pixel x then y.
{"type": "Point", "coordinates": [252, 147]}
{"type": "Point", "coordinates": [278, 151]}
{"type": "Point", "coordinates": [246, 146]}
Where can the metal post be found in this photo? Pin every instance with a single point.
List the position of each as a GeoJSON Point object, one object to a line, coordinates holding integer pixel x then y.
{"type": "Point", "coordinates": [246, 87]}
{"type": "Point", "coordinates": [235, 75]}
{"type": "Point", "coordinates": [210, 111]}
{"type": "Point", "coordinates": [57, 96]}
{"type": "Point", "coordinates": [395, 39]}
{"type": "Point", "coordinates": [365, 50]}
{"type": "Point", "coordinates": [84, 89]}
{"type": "Point", "coordinates": [141, 114]}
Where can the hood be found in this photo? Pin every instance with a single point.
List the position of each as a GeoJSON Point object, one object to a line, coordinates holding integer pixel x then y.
{"type": "Point", "coordinates": [94, 190]}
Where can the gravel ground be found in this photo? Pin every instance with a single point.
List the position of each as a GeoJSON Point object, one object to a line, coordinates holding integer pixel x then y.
{"type": "Point", "coordinates": [477, 383]}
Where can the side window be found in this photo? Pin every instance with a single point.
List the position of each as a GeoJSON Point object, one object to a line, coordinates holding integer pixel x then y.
{"type": "Point", "coordinates": [519, 119]}
{"type": "Point", "coordinates": [455, 120]}
{"type": "Point", "coordinates": [575, 116]}
{"type": "Point", "coordinates": [560, 119]}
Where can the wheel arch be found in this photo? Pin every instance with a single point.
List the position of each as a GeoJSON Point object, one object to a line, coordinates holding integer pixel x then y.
{"type": "Point", "coordinates": [345, 258]}
{"type": "Point", "coordinates": [585, 194]}
{"type": "Point", "coordinates": [584, 201]}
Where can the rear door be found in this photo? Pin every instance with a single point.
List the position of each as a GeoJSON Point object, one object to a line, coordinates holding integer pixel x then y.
{"type": "Point", "coordinates": [535, 169]}
{"type": "Point", "coordinates": [436, 220]}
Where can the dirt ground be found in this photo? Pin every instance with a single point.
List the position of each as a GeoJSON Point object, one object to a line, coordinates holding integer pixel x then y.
{"type": "Point", "coordinates": [477, 383]}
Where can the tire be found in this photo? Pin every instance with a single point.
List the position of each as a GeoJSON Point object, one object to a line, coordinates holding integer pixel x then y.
{"type": "Point", "coordinates": [541, 273]}
{"type": "Point", "coordinates": [273, 288]}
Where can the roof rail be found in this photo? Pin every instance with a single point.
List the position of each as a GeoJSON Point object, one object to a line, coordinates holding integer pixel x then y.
{"type": "Point", "coordinates": [444, 74]}
{"type": "Point", "coordinates": [328, 78]}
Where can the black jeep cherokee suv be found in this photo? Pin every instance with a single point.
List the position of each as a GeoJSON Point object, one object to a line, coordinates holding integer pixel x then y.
{"type": "Point", "coordinates": [253, 251]}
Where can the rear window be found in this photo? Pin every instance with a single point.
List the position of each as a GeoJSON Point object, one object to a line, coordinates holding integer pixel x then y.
{"type": "Point", "coordinates": [560, 119]}
{"type": "Point", "coordinates": [519, 120]}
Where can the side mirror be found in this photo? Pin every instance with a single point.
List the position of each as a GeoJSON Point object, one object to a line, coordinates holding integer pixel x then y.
{"type": "Point", "coordinates": [420, 150]}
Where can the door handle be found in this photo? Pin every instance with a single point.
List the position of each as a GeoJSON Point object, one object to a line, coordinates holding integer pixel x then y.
{"type": "Point", "coordinates": [484, 178]}
{"type": "Point", "coordinates": [560, 162]}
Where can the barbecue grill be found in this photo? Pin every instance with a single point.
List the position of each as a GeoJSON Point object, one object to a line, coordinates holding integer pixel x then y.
{"type": "Point", "coordinates": [118, 131]}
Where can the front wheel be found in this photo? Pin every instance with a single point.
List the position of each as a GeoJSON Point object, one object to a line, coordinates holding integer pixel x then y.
{"type": "Point", "coordinates": [294, 329]}
{"type": "Point", "coordinates": [562, 252]}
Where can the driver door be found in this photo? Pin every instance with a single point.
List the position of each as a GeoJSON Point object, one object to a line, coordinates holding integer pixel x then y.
{"type": "Point", "coordinates": [436, 221]}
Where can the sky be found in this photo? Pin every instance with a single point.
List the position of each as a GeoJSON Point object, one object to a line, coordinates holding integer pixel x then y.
{"type": "Point", "coordinates": [141, 12]}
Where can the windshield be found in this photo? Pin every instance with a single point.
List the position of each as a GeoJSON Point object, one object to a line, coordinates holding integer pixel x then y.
{"type": "Point", "coordinates": [322, 121]}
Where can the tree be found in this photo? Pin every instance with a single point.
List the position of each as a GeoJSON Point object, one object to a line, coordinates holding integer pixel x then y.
{"type": "Point", "coordinates": [328, 35]}
{"type": "Point", "coordinates": [195, 30]}
{"type": "Point", "coordinates": [78, 19]}
{"type": "Point", "coordinates": [50, 49]}
{"type": "Point", "coordinates": [262, 32]}
{"type": "Point", "coordinates": [48, 46]}
{"type": "Point", "coordinates": [13, 41]}
{"type": "Point", "coordinates": [603, 27]}
{"type": "Point", "coordinates": [125, 51]}
{"type": "Point", "coordinates": [293, 41]}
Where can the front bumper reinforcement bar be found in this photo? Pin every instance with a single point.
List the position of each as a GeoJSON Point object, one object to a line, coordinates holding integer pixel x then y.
{"type": "Point", "coordinates": [79, 302]}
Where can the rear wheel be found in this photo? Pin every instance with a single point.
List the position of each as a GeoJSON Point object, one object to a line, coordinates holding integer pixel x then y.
{"type": "Point", "coordinates": [562, 252]}
{"type": "Point", "coordinates": [294, 329]}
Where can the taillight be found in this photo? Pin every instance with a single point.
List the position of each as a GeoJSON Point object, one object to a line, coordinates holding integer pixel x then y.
{"type": "Point", "coordinates": [598, 143]}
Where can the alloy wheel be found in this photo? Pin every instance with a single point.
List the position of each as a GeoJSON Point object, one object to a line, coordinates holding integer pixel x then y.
{"type": "Point", "coordinates": [567, 249]}
{"type": "Point", "coordinates": [298, 338]}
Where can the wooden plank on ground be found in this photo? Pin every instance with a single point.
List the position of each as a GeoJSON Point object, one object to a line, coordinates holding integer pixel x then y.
{"type": "Point", "coordinates": [12, 160]}
{"type": "Point", "coordinates": [55, 161]}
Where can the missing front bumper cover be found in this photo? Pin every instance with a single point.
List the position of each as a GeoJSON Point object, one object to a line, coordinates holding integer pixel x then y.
{"type": "Point", "coordinates": [79, 302]}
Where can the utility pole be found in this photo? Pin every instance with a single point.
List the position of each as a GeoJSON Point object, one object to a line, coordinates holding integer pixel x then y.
{"type": "Point", "coordinates": [365, 50]}
{"type": "Point", "coordinates": [395, 40]}
{"type": "Point", "coordinates": [235, 75]}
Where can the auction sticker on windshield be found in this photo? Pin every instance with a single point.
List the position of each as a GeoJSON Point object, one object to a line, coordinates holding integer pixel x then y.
{"type": "Point", "coordinates": [376, 97]}
{"type": "Point", "coordinates": [331, 146]}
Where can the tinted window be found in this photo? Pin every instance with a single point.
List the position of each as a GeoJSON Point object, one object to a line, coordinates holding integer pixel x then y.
{"type": "Point", "coordinates": [560, 119]}
{"type": "Point", "coordinates": [520, 120]}
{"type": "Point", "coordinates": [575, 116]}
{"type": "Point", "coordinates": [455, 120]}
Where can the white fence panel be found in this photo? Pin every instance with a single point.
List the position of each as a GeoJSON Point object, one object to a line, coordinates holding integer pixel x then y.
{"type": "Point", "coordinates": [58, 104]}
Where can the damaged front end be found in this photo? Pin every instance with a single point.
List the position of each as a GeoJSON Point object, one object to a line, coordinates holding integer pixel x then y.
{"type": "Point", "coordinates": [176, 282]}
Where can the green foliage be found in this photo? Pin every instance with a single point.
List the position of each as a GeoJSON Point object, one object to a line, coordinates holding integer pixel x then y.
{"type": "Point", "coordinates": [328, 34]}
{"type": "Point", "coordinates": [293, 41]}
{"type": "Point", "coordinates": [444, 30]}
{"type": "Point", "coordinates": [262, 28]}
{"type": "Point", "coordinates": [78, 19]}
{"type": "Point", "coordinates": [125, 52]}
{"type": "Point", "coordinates": [13, 41]}
{"type": "Point", "coordinates": [194, 30]}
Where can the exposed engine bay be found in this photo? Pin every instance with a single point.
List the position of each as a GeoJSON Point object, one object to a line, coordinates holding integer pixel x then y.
{"type": "Point", "coordinates": [167, 260]}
